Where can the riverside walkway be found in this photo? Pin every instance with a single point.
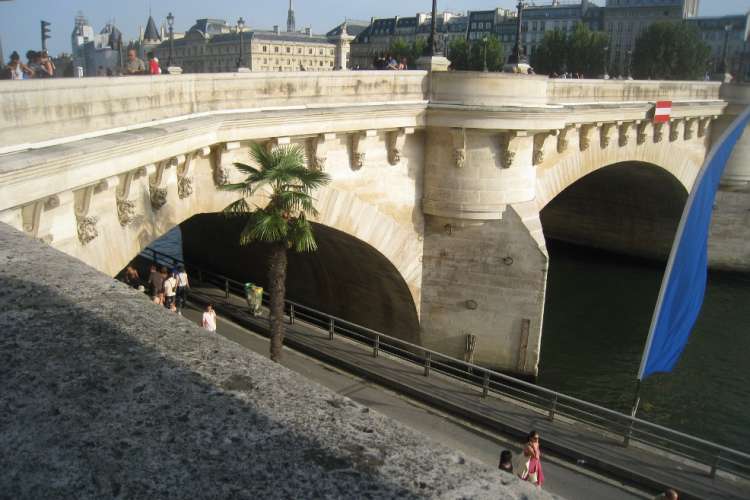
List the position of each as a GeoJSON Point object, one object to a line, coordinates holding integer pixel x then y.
{"type": "Point", "coordinates": [430, 383]}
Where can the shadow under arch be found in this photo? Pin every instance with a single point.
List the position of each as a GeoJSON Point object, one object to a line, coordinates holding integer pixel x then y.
{"type": "Point", "coordinates": [631, 208]}
{"type": "Point", "coordinates": [607, 235]}
{"type": "Point", "coordinates": [346, 277]}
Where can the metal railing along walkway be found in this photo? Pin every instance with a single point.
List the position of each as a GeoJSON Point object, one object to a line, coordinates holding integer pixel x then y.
{"type": "Point", "coordinates": [552, 403]}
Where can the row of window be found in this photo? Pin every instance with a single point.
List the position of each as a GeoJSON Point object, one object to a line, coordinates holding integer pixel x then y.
{"type": "Point", "coordinates": [310, 51]}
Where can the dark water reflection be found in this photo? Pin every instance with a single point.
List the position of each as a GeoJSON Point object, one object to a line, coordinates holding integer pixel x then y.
{"type": "Point", "coordinates": [597, 315]}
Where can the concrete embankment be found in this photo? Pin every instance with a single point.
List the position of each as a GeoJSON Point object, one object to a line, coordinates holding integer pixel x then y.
{"type": "Point", "coordinates": [106, 395]}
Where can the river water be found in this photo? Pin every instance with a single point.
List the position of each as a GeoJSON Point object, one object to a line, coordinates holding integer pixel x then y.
{"type": "Point", "coordinates": [597, 315]}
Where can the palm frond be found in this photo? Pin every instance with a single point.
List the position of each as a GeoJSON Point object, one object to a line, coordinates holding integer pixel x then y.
{"type": "Point", "coordinates": [238, 208]}
{"type": "Point", "coordinates": [247, 169]}
{"type": "Point", "coordinates": [301, 237]}
{"type": "Point", "coordinates": [269, 227]}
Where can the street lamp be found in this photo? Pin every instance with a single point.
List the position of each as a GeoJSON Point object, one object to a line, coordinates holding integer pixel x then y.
{"type": "Point", "coordinates": [516, 55]}
{"type": "Point", "coordinates": [431, 49]}
{"type": "Point", "coordinates": [170, 22]}
{"type": "Point", "coordinates": [241, 29]}
{"type": "Point", "coordinates": [724, 61]}
{"type": "Point", "coordinates": [606, 62]}
{"type": "Point", "coordinates": [484, 41]}
{"type": "Point", "coordinates": [630, 64]}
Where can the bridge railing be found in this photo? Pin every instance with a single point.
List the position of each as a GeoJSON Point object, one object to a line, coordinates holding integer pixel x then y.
{"type": "Point", "coordinates": [550, 404]}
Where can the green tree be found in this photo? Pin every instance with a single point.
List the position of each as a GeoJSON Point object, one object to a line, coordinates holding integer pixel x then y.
{"type": "Point", "coordinates": [586, 51]}
{"type": "Point", "coordinates": [467, 56]}
{"type": "Point", "coordinates": [552, 54]}
{"type": "Point", "coordinates": [282, 222]}
{"type": "Point", "coordinates": [581, 51]}
{"type": "Point", "coordinates": [458, 53]}
{"type": "Point", "coordinates": [400, 49]}
{"type": "Point", "coordinates": [670, 51]}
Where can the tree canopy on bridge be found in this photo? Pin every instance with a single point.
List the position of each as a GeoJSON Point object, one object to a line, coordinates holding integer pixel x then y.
{"type": "Point", "coordinates": [282, 222]}
{"type": "Point", "coordinates": [582, 51]}
{"type": "Point", "coordinates": [670, 51]}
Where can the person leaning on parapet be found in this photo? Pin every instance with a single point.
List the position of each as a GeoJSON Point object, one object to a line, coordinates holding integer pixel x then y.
{"type": "Point", "coordinates": [153, 64]}
{"type": "Point", "coordinates": [16, 70]}
{"type": "Point", "coordinates": [134, 66]}
{"type": "Point", "coordinates": [670, 494]}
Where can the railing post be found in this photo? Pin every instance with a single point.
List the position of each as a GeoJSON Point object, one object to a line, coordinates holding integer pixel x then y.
{"type": "Point", "coordinates": [291, 314]}
{"type": "Point", "coordinates": [486, 384]}
{"type": "Point", "coordinates": [715, 465]}
{"type": "Point", "coordinates": [226, 288]}
{"type": "Point", "coordinates": [427, 363]}
{"type": "Point", "coordinates": [552, 409]}
{"type": "Point", "coordinates": [628, 433]}
{"type": "Point", "coordinates": [376, 346]}
{"type": "Point", "coordinates": [331, 327]}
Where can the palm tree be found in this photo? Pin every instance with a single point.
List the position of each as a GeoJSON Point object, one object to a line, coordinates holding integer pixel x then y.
{"type": "Point", "coordinates": [282, 222]}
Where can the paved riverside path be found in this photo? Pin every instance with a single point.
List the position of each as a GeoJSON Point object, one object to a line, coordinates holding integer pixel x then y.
{"type": "Point", "coordinates": [652, 470]}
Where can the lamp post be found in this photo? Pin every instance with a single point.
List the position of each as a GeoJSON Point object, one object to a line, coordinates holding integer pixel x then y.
{"type": "Point", "coordinates": [606, 62]}
{"type": "Point", "coordinates": [241, 29]}
{"type": "Point", "coordinates": [724, 61]}
{"type": "Point", "coordinates": [484, 41]}
{"type": "Point", "coordinates": [431, 49]}
{"type": "Point", "coordinates": [516, 55]}
{"type": "Point", "coordinates": [170, 23]}
{"type": "Point", "coordinates": [630, 64]}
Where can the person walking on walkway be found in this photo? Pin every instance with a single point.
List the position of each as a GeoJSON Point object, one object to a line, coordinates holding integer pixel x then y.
{"type": "Point", "coordinates": [209, 319]}
{"type": "Point", "coordinates": [170, 292]}
{"type": "Point", "coordinates": [132, 278]}
{"type": "Point", "coordinates": [182, 287]}
{"type": "Point", "coordinates": [156, 284]}
{"type": "Point", "coordinates": [531, 468]}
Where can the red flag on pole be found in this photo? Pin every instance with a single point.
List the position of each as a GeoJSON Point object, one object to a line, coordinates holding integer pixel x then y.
{"type": "Point", "coordinates": [663, 111]}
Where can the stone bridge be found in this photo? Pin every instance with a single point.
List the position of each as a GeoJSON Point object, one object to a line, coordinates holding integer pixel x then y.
{"type": "Point", "coordinates": [442, 176]}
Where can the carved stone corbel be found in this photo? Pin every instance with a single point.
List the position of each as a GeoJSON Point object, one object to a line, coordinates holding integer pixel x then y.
{"type": "Point", "coordinates": [125, 206]}
{"type": "Point", "coordinates": [674, 129]}
{"type": "Point", "coordinates": [658, 132]}
{"type": "Point", "coordinates": [641, 135]}
{"type": "Point", "coordinates": [396, 141]}
{"type": "Point", "coordinates": [221, 173]}
{"type": "Point", "coordinates": [360, 142]}
{"type": "Point", "coordinates": [539, 141]}
{"type": "Point", "coordinates": [605, 134]}
{"type": "Point", "coordinates": [703, 125]}
{"type": "Point", "coordinates": [508, 146]}
{"type": "Point", "coordinates": [458, 143]}
{"type": "Point", "coordinates": [623, 138]}
{"type": "Point", "coordinates": [584, 137]}
{"type": "Point", "coordinates": [689, 128]}
{"type": "Point", "coordinates": [185, 176]}
{"type": "Point", "coordinates": [277, 142]}
{"type": "Point", "coordinates": [562, 139]}
{"type": "Point", "coordinates": [156, 188]}
{"type": "Point", "coordinates": [85, 223]}
{"type": "Point", "coordinates": [319, 146]}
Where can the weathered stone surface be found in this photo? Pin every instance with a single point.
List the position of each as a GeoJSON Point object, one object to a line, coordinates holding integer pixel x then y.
{"type": "Point", "coordinates": [106, 395]}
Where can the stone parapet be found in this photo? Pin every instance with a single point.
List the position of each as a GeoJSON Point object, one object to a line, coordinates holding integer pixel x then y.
{"type": "Point", "coordinates": [107, 395]}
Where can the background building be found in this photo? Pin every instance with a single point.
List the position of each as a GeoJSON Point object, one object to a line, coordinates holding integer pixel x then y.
{"type": "Point", "coordinates": [96, 53]}
{"type": "Point", "coordinates": [735, 31]}
{"type": "Point", "coordinates": [626, 19]}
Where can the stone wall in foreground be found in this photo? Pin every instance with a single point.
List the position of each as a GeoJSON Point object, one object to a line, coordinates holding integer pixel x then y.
{"type": "Point", "coordinates": [106, 395]}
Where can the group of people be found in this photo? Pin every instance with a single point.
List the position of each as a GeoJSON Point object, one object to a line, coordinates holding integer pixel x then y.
{"type": "Point", "coordinates": [166, 287]}
{"type": "Point", "coordinates": [389, 62]}
{"type": "Point", "coordinates": [38, 65]}
{"type": "Point", "coordinates": [528, 465]}
{"type": "Point", "coordinates": [135, 66]}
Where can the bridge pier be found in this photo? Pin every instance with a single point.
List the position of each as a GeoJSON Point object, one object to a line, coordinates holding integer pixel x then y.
{"type": "Point", "coordinates": [484, 273]}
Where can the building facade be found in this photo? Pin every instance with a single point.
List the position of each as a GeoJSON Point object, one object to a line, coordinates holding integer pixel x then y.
{"type": "Point", "coordinates": [96, 54]}
{"type": "Point", "coordinates": [626, 19]}
{"type": "Point", "coordinates": [732, 31]}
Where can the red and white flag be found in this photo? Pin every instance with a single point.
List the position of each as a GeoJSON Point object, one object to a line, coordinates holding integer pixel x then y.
{"type": "Point", "coordinates": [663, 111]}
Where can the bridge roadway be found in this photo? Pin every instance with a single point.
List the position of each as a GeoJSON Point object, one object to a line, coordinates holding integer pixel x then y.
{"type": "Point", "coordinates": [651, 470]}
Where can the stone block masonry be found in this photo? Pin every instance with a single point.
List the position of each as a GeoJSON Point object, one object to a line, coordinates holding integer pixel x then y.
{"type": "Point", "coordinates": [104, 394]}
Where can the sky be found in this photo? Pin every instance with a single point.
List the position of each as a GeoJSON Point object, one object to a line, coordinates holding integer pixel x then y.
{"type": "Point", "coordinates": [20, 30]}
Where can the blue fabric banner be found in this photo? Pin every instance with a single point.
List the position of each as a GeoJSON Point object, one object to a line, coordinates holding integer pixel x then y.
{"type": "Point", "coordinates": [684, 283]}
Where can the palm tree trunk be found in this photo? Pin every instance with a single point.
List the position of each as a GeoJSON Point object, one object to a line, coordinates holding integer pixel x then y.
{"type": "Point", "coordinates": [277, 290]}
